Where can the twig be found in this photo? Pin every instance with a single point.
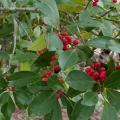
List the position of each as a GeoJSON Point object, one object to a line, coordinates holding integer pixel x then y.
{"type": "Point", "coordinates": [88, 4]}
{"type": "Point", "coordinates": [21, 9]}
{"type": "Point", "coordinates": [14, 34]}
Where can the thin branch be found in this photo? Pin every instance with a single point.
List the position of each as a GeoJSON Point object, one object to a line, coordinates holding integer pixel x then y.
{"type": "Point", "coordinates": [21, 9]}
{"type": "Point", "coordinates": [88, 4]}
{"type": "Point", "coordinates": [14, 34]}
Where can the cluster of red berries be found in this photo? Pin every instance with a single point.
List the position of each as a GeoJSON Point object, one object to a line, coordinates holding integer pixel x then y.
{"type": "Point", "coordinates": [67, 40]}
{"type": "Point", "coordinates": [49, 73]}
{"type": "Point", "coordinates": [95, 2]}
{"type": "Point", "coordinates": [97, 72]}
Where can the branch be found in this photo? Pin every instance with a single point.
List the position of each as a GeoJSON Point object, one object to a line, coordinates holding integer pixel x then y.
{"type": "Point", "coordinates": [14, 10]}
{"type": "Point", "coordinates": [14, 34]}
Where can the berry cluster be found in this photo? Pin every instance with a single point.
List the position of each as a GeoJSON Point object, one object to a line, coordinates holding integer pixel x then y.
{"type": "Point", "coordinates": [56, 69]}
{"type": "Point", "coordinates": [67, 40]}
{"type": "Point", "coordinates": [97, 72]}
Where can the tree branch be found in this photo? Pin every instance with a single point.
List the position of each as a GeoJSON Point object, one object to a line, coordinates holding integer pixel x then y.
{"type": "Point", "coordinates": [14, 10]}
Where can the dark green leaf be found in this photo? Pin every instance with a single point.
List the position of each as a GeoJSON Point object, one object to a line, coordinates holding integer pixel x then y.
{"type": "Point", "coordinates": [114, 98]}
{"type": "Point", "coordinates": [113, 80]}
{"type": "Point", "coordinates": [109, 112]}
{"type": "Point", "coordinates": [23, 78]}
{"type": "Point", "coordinates": [68, 59]}
{"type": "Point", "coordinates": [81, 112]}
{"type": "Point", "coordinates": [80, 80]}
{"type": "Point", "coordinates": [90, 99]}
{"type": "Point", "coordinates": [42, 104]}
{"type": "Point", "coordinates": [105, 43]}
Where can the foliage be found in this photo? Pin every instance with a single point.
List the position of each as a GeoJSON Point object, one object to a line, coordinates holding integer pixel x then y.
{"type": "Point", "coordinates": [49, 58]}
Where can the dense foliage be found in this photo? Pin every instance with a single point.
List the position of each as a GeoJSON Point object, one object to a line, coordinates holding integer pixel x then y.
{"type": "Point", "coordinates": [58, 54]}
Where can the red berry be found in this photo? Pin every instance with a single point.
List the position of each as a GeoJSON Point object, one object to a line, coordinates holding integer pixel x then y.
{"type": "Point", "coordinates": [60, 36]}
{"type": "Point", "coordinates": [49, 73]}
{"type": "Point", "coordinates": [44, 75]}
{"type": "Point", "coordinates": [114, 1]}
{"type": "Point", "coordinates": [68, 38]}
{"type": "Point", "coordinates": [102, 69]}
{"type": "Point", "coordinates": [96, 0]}
{"type": "Point", "coordinates": [65, 47]}
{"type": "Point", "coordinates": [56, 68]}
{"type": "Point", "coordinates": [97, 64]}
{"type": "Point", "coordinates": [65, 42]}
{"type": "Point", "coordinates": [118, 67]}
{"type": "Point", "coordinates": [64, 33]}
{"type": "Point", "coordinates": [96, 75]}
{"type": "Point", "coordinates": [75, 42]}
{"type": "Point", "coordinates": [103, 76]}
{"type": "Point", "coordinates": [53, 58]}
{"type": "Point", "coordinates": [94, 3]}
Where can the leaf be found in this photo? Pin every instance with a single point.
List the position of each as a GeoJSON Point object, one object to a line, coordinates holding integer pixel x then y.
{"type": "Point", "coordinates": [113, 98]}
{"type": "Point", "coordinates": [22, 98]}
{"type": "Point", "coordinates": [53, 42]}
{"type": "Point", "coordinates": [81, 112]}
{"type": "Point", "coordinates": [42, 104]}
{"type": "Point", "coordinates": [8, 108]}
{"type": "Point", "coordinates": [4, 56]}
{"type": "Point", "coordinates": [37, 31]}
{"type": "Point", "coordinates": [2, 116]}
{"type": "Point", "coordinates": [84, 52]}
{"type": "Point", "coordinates": [38, 44]}
{"type": "Point", "coordinates": [107, 28]}
{"type": "Point", "coordinates": [105, 43]}
{"type": "Point", "coordinates": [44, 59]}
{"type": "Point", "coordinates": [50, 11]}
{"type": "Point", "coordinates": [113, 80]}
{"type": "Point", "coordinates": [23, 78]}
{"type": "Point", "coordinates": [25, 67]}
{"type": "Point", "coordinates": [56, 114]}
{"type": "Point", "coordinates": [87, 21]}
{"type": "Point", "coordinates": [79, 80]}
{"type": "Point", "coordinates": [54, 83]}
{"type": "Point", "coordinates": [109, 112]}
{"type": "Point", "coordinates": [90, 99]}
{"type": "Point", "coordinates": [68, 59]}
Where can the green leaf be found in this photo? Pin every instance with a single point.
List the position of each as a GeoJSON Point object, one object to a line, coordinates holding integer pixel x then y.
{"type": "Point", "coordinates": [50, 11]}
{"type": "Point", "coordinates": [109, 112]}
{"type": "Point", "coordinates": [56, 114]}
{"type": "Point", "coordinates": [4, 56]}
{"type": "Point", "coordinates": [107, 28]}
{"type": "Point", "coordinates": [105, 43]}
{"type": "Point", "coordinates": [25, 67]}
{"type": "Point", "coordinates": [68, 59]}
{"type": "Point", "coordinates": [90, 99]}
{"type": "Point", "coordinates": [2, 116]}
{"type": "Point", "coordinates": [53, 42]}
{"type": "Point", "coordinates": [81, 112]}
{"type": "Point", "coordinates": [113, 80]}
{"type": "Point", "coordinates": [37, 31]}
{"type": "Point", "coordinates": [79, 80]}
{"type": "Point", "coordinates": [38, 44]}
{"type": "Point", "coordinates": [22, 98]}
{"type": "Point", "coordinates": [23, 78]}
{"type": "Point", "coordinates": [54, 83]}
{"type": "Point", "coordinates": [8, 108]}
{"type": "Point", "coordinates": [113, 98]}
{"type": "Point", "coordinates": [42, 104]}
{"type": "Point", "coordinates": [84, 52]}
{"type": "Point", "coordinates": [44, 59]}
